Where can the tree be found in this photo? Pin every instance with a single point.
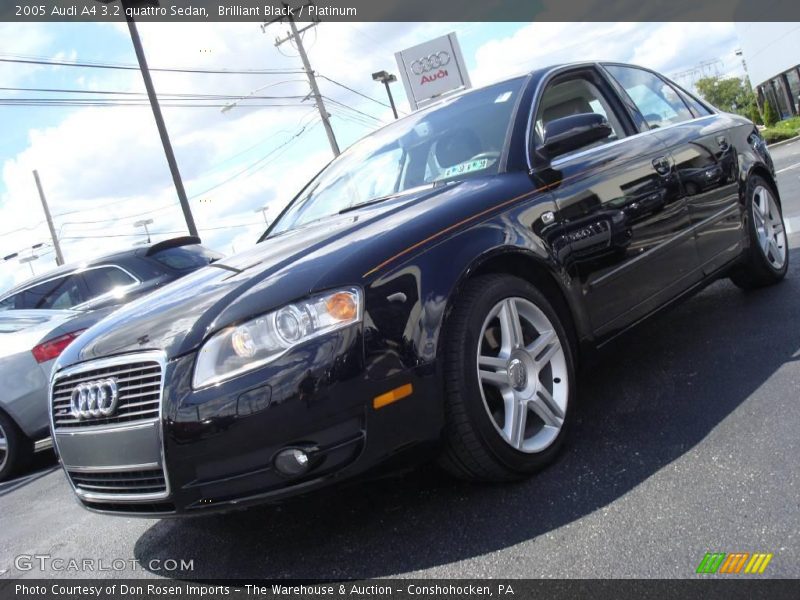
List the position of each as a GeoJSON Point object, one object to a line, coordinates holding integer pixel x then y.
{"type": "Point", "coordinates": [770, 116]}
{"type": "Point", "coordinates": [755, 115]}
{"type": "Point", "coordinates": [730, 94]}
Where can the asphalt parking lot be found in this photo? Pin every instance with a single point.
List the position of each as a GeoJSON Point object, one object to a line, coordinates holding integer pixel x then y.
{"type": "Point", "coordinates": [686, 442]}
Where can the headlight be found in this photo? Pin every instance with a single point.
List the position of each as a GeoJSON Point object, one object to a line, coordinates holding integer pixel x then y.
{"type": "Point", "coordinates": [257, 342]}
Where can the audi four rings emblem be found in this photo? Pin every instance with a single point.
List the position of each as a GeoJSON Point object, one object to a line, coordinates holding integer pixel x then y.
{"type": "Point", "coordinates": [95, 399]}
{"type": "Point", "coordinates": [430, 62]}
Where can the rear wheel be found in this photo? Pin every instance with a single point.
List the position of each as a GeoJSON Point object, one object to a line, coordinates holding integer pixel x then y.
{"type": "Point", "coordinates": [16, 449]}
{"type": "Point", "coordinates": [509, 381]}
{"type": "Point", "coordinates": [767, 259]}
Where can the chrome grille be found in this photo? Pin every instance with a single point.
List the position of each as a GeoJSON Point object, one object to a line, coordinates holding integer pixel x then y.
{"type": "Point", "coordinates": [149, 481]}
{"type": "Point", "coordinates": [138, 384]}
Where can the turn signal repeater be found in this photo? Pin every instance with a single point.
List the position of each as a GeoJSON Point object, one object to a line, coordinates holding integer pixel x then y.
{"type": "Point", "coordinates": [391, 396]}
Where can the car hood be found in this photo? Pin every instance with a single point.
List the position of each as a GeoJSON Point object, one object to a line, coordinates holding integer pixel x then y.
{"type": "Point", "coordinates": [327, 253]}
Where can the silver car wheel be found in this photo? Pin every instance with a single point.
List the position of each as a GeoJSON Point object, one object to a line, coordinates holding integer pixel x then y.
{"type": "Point", "coordinates": [3, 448]}
{"type": "Point", "coordinates": [769, 227]}
{"type": "Point", "coordinates": [523, 377]}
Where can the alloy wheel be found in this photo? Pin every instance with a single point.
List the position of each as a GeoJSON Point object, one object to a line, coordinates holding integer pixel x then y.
{"type": "Point", "coordinates": [522, 375]}
{"type": "Point", "coordinates": [3, 448]}
{"type": "Point", "coordinates": [769, 227]}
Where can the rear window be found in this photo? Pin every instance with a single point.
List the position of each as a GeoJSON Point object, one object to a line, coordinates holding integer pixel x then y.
{"type": "Point", "coordinates": [185, 258]}
{"type": "Point", "coordinates": [102, 280]}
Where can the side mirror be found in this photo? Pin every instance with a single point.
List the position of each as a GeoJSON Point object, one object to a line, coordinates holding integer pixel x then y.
{"type": "Point", "coordinates": [573, 132]}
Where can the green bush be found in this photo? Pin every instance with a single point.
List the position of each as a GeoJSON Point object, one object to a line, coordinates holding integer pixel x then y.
{"type": "Point", "coordinates": [777, 135]}
{"type": "Point", "coordinates": [770, 117]}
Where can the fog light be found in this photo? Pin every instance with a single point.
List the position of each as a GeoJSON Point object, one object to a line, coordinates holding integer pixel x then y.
{"type": "Point", "coordinates": [292, 461]}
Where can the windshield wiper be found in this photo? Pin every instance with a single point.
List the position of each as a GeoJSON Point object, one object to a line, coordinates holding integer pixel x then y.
{"type": "Point", "coordinates": [409, 191]}
{"type": "Point", "coordinates": [367, 203]}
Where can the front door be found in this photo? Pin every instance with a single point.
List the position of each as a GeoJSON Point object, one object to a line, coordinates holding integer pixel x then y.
{"type": "Point", "coordinates": [624, 218]}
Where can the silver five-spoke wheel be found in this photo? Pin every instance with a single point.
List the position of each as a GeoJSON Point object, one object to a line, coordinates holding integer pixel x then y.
{"type": "Point", "coordinates": [769, 227]}
{"type": "Point", "coordinates": [523, 375]}
{"type": "Point", "coordinates": [3, 448]}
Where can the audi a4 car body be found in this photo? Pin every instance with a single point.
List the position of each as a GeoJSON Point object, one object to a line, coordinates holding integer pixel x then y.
{"type": "Point", "coordinates": [430, 291]}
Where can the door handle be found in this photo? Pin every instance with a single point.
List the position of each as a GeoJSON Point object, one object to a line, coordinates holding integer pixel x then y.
{"type": "Point", "coordinates": [662, 165]}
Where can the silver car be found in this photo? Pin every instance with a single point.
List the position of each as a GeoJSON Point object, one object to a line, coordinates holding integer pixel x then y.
{"type": "Point", "coordinates": [30, 341]}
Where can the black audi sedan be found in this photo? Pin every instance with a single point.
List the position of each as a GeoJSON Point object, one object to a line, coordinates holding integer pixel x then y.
{"type": "Point", "coordinates": [430, 292]}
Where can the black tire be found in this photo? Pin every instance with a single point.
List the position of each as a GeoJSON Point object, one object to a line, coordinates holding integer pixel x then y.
{"type": "Point", "coordinates": [474, 449]}
{"type": "Point", "coordinates": [19, 451]}
{"type": "Point", "coordinates": [755, 270]}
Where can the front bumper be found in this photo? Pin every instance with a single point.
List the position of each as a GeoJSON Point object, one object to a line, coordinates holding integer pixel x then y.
{"type": "Point", "coordinates": [216, 446]}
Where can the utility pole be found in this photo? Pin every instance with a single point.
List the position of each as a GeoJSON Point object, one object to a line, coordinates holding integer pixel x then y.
{"type": "Point", "coordinates": [312, 81]}
{"type": "Point", "coordinates": [162, 128]}
{"type": "Point", "coordinates": [59, 256]}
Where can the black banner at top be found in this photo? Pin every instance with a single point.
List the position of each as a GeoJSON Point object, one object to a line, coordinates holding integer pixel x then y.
{"type": "Point", "coordinates": [178, 11]}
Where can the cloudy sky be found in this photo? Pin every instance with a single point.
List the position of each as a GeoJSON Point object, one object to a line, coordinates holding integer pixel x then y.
{"type": "Point", "coordinates": [103, 169]}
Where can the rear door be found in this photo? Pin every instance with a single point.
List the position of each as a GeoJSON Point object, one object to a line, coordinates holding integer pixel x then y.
{"type": "Point", "coordinates": [701, 144]}
{"type": "Point", "coordinates": [625, 221]}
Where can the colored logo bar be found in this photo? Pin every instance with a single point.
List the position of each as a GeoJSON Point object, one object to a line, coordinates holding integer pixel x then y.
{"type": "Point", "coordinates": [734, 563]}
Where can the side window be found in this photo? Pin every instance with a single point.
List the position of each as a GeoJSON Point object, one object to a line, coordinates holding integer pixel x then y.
{"type": "Point", "coordinates": [62, 292]}
{"type": "Point", "coordinates": [573, 97]}
{"type": "Point", "coordinates": [697, 108]}
{"type": "Point", "coordinates": [658, 101]}
{"type": "Point", "coordinates": [104, 279]}
{"type": "Point", "coordinates": [8, 303]}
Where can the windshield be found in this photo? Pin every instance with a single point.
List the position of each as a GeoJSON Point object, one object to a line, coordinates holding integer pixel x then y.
{"type": "Point", "coordinates": [459, 138]}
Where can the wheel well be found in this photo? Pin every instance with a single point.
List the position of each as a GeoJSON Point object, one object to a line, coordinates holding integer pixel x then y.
{"type": "Point", "coordinates": [535, 273]}
{"type": "Point", "coordinates": [762, 171]}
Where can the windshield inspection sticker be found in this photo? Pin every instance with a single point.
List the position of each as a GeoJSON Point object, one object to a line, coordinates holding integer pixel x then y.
{"type": "Point", "coordinates": [466, 167]}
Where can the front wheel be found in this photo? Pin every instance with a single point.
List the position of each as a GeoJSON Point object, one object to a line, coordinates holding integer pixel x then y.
{"type": "Point", "coordinates": [509, 381]}
{"type": "Point", "coordinates": [16, 450]}
{"type": "Point", "coordinates": [766, 260]}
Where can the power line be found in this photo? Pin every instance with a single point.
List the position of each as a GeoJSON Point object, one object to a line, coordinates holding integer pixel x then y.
{"type": "Point", "coordinates": [126, 67]}
{"type": "Point", "coordinates": [191, 96]}
{"type": "Point", "coordinates": [101, 103]}
{"type": "Point", "coordinates": [360, 112]}
{"type": "Point", "coordinates": [255, 164]}
{"type": "Point", "coordinates": [348, 88]}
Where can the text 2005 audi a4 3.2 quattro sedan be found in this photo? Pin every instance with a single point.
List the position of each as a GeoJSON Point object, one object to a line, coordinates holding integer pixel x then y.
{"type": "Point", "coordinates": [430, 290]}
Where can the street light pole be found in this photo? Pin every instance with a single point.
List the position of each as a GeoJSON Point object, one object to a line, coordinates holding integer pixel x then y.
{"type": "Point", "coordinates": [162, 128]}
{"type": "Point", "coordinates": [386, 78]}
{"type": "Point", "coordinates": [263, 211]}
{"type": "Point", "coordinates": [29, 260]}
{"type": "Point", "coordinates": [144, 223]}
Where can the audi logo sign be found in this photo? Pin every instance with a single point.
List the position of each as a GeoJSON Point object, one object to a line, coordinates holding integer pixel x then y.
{"type": "Point", "coordinates": [430, 62]}
{"type": "Point", "coordinates": [94, 399]}
{"type": "Point", "coordinates": [432, 70]}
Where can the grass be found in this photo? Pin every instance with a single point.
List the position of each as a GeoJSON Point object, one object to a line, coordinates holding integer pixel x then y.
{"type": "Point", "coordinates": [783, 130]}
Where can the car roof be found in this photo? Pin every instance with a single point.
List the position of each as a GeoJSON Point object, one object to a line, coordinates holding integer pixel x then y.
{"type": "Point", "coordinates": [107, 259]}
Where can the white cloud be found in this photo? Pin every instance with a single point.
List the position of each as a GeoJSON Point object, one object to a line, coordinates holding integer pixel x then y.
{"type": "Point", "coordinates": [665, 47]}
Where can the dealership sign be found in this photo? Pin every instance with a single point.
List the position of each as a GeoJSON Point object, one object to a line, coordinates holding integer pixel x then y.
{"type": "Point", "coordinates": [432, 69]}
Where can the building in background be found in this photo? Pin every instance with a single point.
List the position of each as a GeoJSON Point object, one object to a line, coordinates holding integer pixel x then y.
{"type": "Point", "coordinates": [772, 55]}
